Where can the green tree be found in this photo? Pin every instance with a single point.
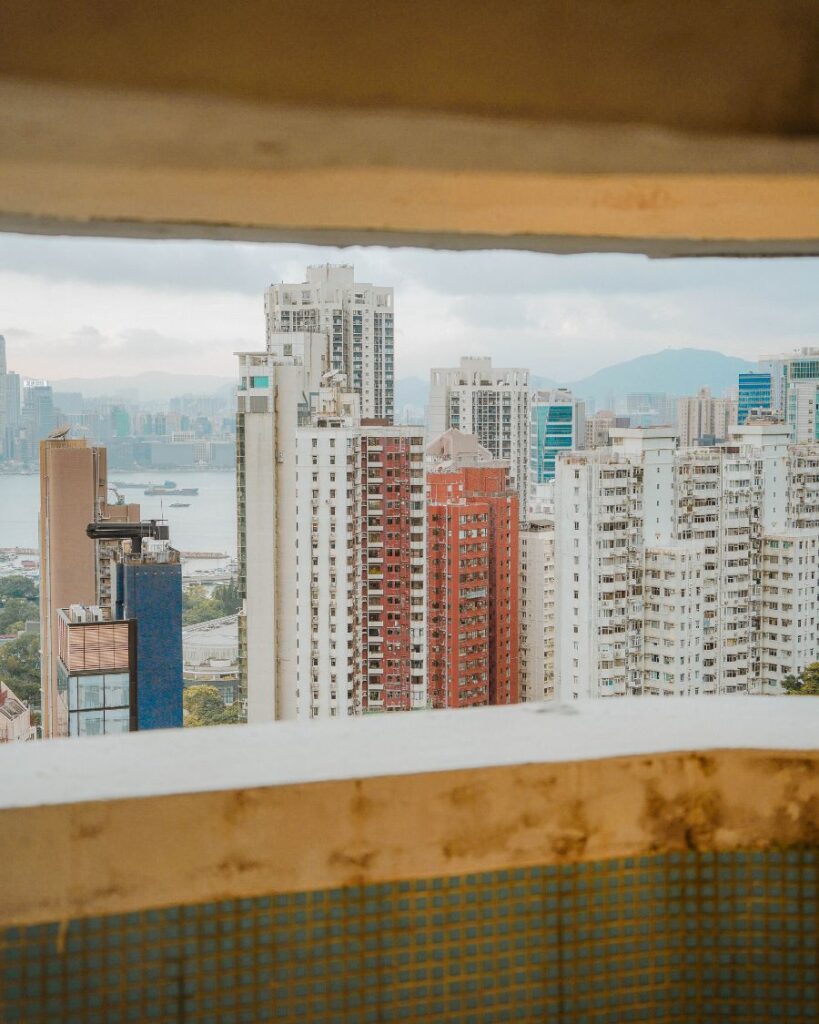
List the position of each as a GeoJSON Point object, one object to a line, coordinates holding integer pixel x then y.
{"type": "Point", "coordinates": [227, 596]}
{"type": "Point", "coordinates": [19, 586]}
{"type": "Point", "coordinates": [19, 602]}
{"type": "Point", "coordinates": [203, 706]}
{"type": "Point", "coordinates": [198, 607]}
{"type": "Point", "coordinates": [806, 684]}
{"type": "Point", "coordinates": [20, 667]}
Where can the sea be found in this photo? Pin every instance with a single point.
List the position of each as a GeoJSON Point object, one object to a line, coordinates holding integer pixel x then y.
{"type": "Point", "coordinates": [207, 524]}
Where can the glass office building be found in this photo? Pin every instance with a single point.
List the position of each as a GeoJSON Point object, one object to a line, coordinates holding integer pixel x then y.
{"type": "Point", "coordinates": [754, 393]}
{"type": "Point", "coordinates": [96, 672]}
{"type": "Point", "coordinates": [557, 424]}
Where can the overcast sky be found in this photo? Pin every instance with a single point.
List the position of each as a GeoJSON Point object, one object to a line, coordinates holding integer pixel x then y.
{"type": "Point", "coordinates": [93, 308]}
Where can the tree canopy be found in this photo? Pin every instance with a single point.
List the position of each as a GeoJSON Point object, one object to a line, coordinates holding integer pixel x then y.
{"type": "Point", "coordinates": [19, 603]}
{"type": "Point", "coordinates": [806, 684]}
{"type": "Point", "coordinates": [20, 667]}
{"type": "Point", "coordinates": [203, 706]}
{"type": "Point", "coordinates": [198, 607]}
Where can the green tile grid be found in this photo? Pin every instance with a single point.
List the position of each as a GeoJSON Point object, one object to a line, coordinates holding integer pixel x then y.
{"type": "Point", "coordinates": [683, 937]}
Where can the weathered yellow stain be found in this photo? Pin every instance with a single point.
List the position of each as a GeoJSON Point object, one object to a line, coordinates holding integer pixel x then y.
{"type": "Point", "coordinates": [75, 860]}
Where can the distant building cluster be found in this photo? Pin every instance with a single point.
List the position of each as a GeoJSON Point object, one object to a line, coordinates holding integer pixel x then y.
{"type": "Point", "coordinates": [186, 432]}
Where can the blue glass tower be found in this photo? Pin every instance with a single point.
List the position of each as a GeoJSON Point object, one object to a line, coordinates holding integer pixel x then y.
{"type": "Point", "coordinates": [754, 393]}
{"type": "Point", "coordinates": [149, 588]}
{"type": "Point", "coordinates": [555, 428]}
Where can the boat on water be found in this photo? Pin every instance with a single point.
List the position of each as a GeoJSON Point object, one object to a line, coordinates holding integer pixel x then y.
{"type": "Point", "coordinates": [169, 487]}
{"type": "Point", "coordinates": [180, 504]}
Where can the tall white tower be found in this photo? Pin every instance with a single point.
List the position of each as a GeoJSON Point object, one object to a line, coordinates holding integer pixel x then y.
{"type": "Point", "coordinates": [358, 320]}
{"type": "Point", "coordinates": [274, 395]}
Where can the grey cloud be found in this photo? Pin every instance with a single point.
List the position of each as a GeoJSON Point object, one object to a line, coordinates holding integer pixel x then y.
{"type": "Point", "coordinates": [247, 268]}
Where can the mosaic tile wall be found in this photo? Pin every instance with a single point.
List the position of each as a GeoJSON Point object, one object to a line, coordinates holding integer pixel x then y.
{"type": "Point", "coordinates": [677, 937]}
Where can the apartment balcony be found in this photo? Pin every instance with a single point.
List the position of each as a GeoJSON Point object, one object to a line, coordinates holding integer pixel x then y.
{"type": "Point", "coordinates": [319, 872]}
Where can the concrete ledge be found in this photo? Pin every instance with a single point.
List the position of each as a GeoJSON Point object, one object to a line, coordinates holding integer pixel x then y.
{"type": "Point", "coordinates": [150, 820]}
{"type": "Point", "coordinates": [80, 160]}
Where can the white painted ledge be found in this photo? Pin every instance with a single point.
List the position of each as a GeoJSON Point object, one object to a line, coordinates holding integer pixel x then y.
{"type": "Point", "coordinates": [243, 757]}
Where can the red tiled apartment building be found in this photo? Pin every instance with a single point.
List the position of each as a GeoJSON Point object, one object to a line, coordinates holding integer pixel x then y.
{"type": "Point", "coordinates": [472, 570]}
{"type": "Point", "coordinates": [392, 567]}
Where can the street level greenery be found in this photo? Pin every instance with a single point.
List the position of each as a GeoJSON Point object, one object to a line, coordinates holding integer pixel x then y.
{"type": "Point", "coordinates": [198, 607]}
{"type": "Point", "coordinates": [20, 656]}
{"type": "Point", "coordinates": [806, 684]}
{"type": "Point", "coordinates": [20, 668]}
{"type": "Point", "coordinates": [204, 706]}
{"type": "Point", "coordinates": [19, 603]}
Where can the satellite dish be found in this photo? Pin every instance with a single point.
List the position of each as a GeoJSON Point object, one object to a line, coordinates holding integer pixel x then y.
{"type": "Point", "coordinates": [60, 433]}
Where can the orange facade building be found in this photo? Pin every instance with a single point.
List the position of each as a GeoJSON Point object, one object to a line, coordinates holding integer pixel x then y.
{"type": "Point", "coordinates": [472, 570]}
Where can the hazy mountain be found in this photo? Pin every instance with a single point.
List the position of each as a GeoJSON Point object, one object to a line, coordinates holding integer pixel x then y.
{"type": "Point", "coordinates": [676, 371]}
{"type": "Point", "coordinates": [145, 387]}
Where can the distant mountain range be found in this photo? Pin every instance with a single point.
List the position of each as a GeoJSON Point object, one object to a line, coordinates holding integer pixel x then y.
{"type": "Point", "coordinates": [675, 371]}
{"type": "Point", "coordinates": [149, 387]}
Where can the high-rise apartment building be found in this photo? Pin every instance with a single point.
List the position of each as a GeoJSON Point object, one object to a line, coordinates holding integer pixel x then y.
{"type": "Point", "coordinates": [791, 394]}
{"type": "Point", "coordinates": [598, 426]}
{"type": "Point", "coordinates": [472, 573]}
{"type": "Point", "coordinates": [391, 525]}
{"type": "Point", "coordinates": [273, 398]}
{"type": "Point", "coordinates": [802, 410]}
{"type": "Point", "coordinates": [323, 680]}
{"type": "Point", "coordinates": [12, 414]}
{"type": "Point", "coordinates": [536, 606]}
{"type": "Point", "coordinates": [558, 424]}
{"type": "Point", "coordinates": [357, 318]}
{"type": "Point", "coordinates": [39, 418]}
{"type": "Point", "coordinates": [491, 403]}
{"type": "Point", "coordinates": [703, 416]}
{"type": "Point", "coordinates": [73, 486]}
{"type": "Point", "coordinates": [331, 534]}
{"type": "Point", "coordinates": [686, 571]}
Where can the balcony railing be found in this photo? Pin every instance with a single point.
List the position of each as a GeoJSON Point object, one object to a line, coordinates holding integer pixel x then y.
{"type": "Point", "coordinates": [621, 860]}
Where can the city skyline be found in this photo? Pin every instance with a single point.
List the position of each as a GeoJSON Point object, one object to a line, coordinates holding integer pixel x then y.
{"type": "Point", "coordinates": [99, 307]}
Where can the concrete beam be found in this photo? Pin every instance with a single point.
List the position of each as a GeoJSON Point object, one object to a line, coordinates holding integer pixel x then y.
{"type": "Point", "coordinates": [565, 127]}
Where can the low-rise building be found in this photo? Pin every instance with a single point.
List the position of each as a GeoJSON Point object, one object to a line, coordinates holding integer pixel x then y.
{"type": "Point", "coordinates": [15, 718]}
{"type": "Point", "coordinates": [210, 655]}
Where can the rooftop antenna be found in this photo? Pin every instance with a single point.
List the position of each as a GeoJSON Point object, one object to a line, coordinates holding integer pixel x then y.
{"type": "Point", "coordinates": [60, 433]}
